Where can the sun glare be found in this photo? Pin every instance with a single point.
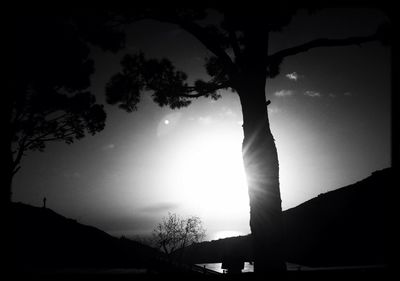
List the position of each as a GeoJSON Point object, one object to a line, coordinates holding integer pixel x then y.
{"type": "Point", "coordinates": [210, 175]}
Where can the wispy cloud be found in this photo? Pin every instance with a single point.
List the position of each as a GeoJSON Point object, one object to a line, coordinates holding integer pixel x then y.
{"type": "Point", "coordinates": [227, 112]}
{"type": "Point", "coordinates": [160, 208]}
{"type": "Point", "coordinates": [108, 146]}
{"type": "Point", "coordinates": [205, 120]}
{"type": "Point", "coordinates": [293, 76]}
{"type": "Point", "coordinates": [348, 94]}
{"type": "Point", "coordinates": [273, 110]}
{"type": "Point", "coordinates": [71, 175]}
{"type": "Point", "coordinates": [284, 93]}
{"type": "Point", "coordinates": [312, 94]}
{"type": "Point", "coordinates": [332, 96]}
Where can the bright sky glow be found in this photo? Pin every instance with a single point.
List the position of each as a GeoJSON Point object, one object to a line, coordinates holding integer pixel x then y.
{"type": "Point", "coordinates": [204, 174]}
{"type": "Point", "coordinates": [210, 175]}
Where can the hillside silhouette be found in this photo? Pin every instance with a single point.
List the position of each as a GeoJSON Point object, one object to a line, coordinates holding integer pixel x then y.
{"type": "Point", "coordinates": [43, 239]}
{"type": "Point", "coordinates": [343, 227]}
{"type": "Point", "coordinates": [48, 246]}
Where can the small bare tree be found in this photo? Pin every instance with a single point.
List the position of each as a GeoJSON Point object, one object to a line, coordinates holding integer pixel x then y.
{"type": "Point", "coordinates": [174, 232]}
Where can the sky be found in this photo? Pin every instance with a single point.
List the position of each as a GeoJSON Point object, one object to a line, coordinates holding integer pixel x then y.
{"type": "Point", "coordinates": [329, 113]}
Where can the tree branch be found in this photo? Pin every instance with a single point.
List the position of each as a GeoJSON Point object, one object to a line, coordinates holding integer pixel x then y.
{"type": "Point", "coordinates": [165, 248]}
{"type": "Point", "coordinates": [42, 136]}
{"type": "Point", "coordinates": [322, 42]}
{"type": "Point", "coordinates": [212, 88]}
{"type": "Point", "coordinates": [57, 118]}
{"type": "Point", "coordinates": [57, 138]}
{"type": "Point", "coordinates": [18, 115]}
{"type": "Point", "coordinates": [200, 33]}
{"type": "Point", "coordinates": [17, 160]}
{"type": "Point", "coordinates": [21, 149]}
{"type": "Point", "coordinates": [38, 138]}
{"type": "Point", "coordinates": [193, 96]}
{"type": "Point", "coordinates": [15, 170]}
{"type": "Point", "coordinates": [234, 42]}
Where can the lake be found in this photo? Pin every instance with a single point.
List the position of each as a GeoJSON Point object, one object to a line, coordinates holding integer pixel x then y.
{"type": "Point", "coordinates": [248, 267]}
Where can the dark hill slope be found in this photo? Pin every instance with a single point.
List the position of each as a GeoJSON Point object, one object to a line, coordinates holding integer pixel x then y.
{"type": "Point", "coordinates": [343, 227]}
{"type": "Point", "coordinates": [346, 226]}
{"type": "Point", "coordinates": [42, 238]}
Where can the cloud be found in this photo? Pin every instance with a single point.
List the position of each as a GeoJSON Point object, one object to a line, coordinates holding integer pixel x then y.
{"type": "Point", "coordinates": [273, 110]}
{"type": "Point", "coordinates": [71, 175]}
{"type": "Point", "coordinates": [332, 95]}
{"type": "Point", "coordinates": [205, 120]}
{"type": "Point", "coordinates": [160, 208]}
{"type": "Point", "coordinates": [293, 76]}
{"type": "Point", "coordinates": [312, 94]}
{"type": "Point", "coordinates": [227, 112]}
{"type": "Point", "coordinates": [284, 93]}
{"type": "Point", "coordinates": [348, 94]}
{"type": "Point", "coordinates": [108, 146]}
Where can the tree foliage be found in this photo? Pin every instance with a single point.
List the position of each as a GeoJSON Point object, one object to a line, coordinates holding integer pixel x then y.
{"type": "Point", "coordinates": [174, 232]}
{"type": "Point", "coordinates": [50, 100]}
{"type": "Point", "coordinates": [238, 47]}
{"type": "Point", "coordinates": [168, 85]}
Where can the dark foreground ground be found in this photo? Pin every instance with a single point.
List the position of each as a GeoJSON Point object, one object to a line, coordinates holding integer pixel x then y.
{"type": "Point", "coordinates": [355, 274]}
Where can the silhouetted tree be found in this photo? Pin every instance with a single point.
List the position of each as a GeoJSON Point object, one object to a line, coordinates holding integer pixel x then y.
{"type": "Point", "coordinates": [48, 98]}
{"type": "Point", "coordinates": [240, 61]}
{"type": "Point", "coordinates": [175, 233]}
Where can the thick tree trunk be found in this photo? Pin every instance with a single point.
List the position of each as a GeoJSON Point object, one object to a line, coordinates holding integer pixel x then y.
{"type": "Point", "coordinates": [262, 171]}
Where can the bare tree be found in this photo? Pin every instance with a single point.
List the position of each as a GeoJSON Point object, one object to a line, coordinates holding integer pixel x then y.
{"type": "Point", "coordinates": [175, 233]}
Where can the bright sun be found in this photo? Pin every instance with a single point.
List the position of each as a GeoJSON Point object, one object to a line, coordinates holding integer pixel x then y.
{"type": "Point", "coordinates": [210, 175]}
